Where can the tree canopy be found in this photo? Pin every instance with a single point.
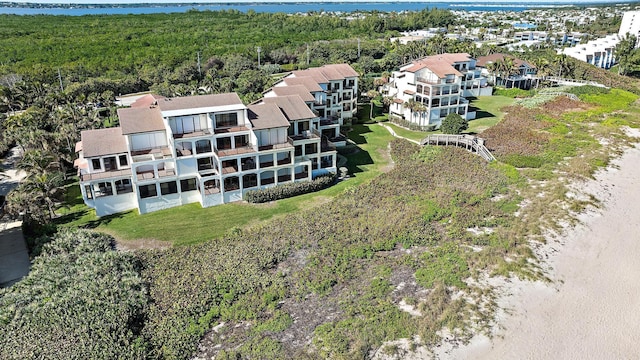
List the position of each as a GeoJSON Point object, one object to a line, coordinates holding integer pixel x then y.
{"type": "Point", "coordinates": [454, 124]}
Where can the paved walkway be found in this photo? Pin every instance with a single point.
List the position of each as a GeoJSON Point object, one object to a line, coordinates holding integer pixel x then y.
{"type": "Point", "coordinates": [14, 257]}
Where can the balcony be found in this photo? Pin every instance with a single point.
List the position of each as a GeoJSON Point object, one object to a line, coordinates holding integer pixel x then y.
{"type": "Point", "coordinates": [236, 151]}
{"type": "Point", "coordinates": [231, 129]}
{"type": "Point", "coordinates": [331, 120]}
{"type": "Point", "coordinates": [153, 154]}
{"type": "Point", "coordinates": [288, 144]}
{"type": "Point", "coordinates": [193, 134]}
{"type": "Point", "coordinates": [105, 175]}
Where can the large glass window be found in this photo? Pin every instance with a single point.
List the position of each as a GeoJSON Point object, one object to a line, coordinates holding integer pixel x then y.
{"type": "Point", "coordinates": [203, 146]}
{"type": "Point", "coordinates": [223, 143]}
{"type": "Point", "coordinates": [205, 164]}
{"type": "Point", "coordinates": [242, 140]}
{"type": "Point", "coordinates": [188, 185]}
{"type": "Point", "coordinates": [169, 187]}
{"type": "Point", "coordinates": [96, 164]}
{"type": "Point", "coordinates": [231, 183]}
{"type": "Point", "coordinates": [104, 189]}
{"type": "Point", "coordinates": [147, 191]}
{"type": "Point", "coordinates": [123, 186]}
{"type": "Point", "coordinates": [226, 120]}
{"type": "Point", "coordinates": [87, 190]}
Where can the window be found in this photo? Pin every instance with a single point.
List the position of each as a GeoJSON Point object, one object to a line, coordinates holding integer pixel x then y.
{"type": "Point", "coordinates": [226, 120]}
{"type": "Point", "coordinates": [104, 189]}
{"type": "Point", "coordinates": [96, 164]}
{"type": "Point", "coordinates": [249, 181]}
{"type": "Point", "coordinates": [242, 140]}
{"type": "Point", "coordinates": [203, 146]}
{"type": "Point", "coordinates": [205, 164]}
{"type": "Point", "coordinates": [169, 187]}
{"type": "Point", "coordinates": [248, 163]}
{"type": "Point", "coordinates": [123, 186]}
{"type": "Point", "coordinates": [298, 150]}
{"type": "Point", "coordinates": [110, 163]}
{"type": "Point", "coordinates": [147, 191]}
{"type": "Point", "coordinates": [303, 126]}
{"type": "Point", "coordinates": [229, 166]}
{"type": "Point", "coordinates": [188, 185]}
{"type": "Point", "coordinates": [123, 160]}
{"type": "Point", "coordinates": [223, 143]}
{"type": "Point", "coordinates": [231, 183]}
{"type": "Point", "coordinates": [87, 190]}
{"type": "Point", "coordinates": [310, 149]}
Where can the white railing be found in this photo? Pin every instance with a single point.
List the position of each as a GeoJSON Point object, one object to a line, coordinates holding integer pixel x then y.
{"type": "Point", "coordinates": [469, 142]}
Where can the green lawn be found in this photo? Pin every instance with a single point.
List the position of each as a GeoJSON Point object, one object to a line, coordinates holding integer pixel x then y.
{"type": "Point", "coordinates": [488, 113]}
{"type": "Point", "coordinates": [410, 134]}
{"type": "Point", "coordinates": [191, 223]}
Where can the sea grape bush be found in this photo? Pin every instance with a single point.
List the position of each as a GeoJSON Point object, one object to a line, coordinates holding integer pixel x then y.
{"type": "Point", "coordinates": [289, 189]}
{"type": "Point", "coordinates": [81, 300]}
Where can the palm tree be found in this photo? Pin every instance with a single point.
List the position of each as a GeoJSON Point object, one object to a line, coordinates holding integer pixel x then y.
{"type": "Point", "coordinates": [414, 106]}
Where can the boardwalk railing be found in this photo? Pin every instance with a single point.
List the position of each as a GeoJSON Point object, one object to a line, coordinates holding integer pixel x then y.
{"type": "Point", "coordinates": [469, 142]}
{"type": "Point", "coordinates": [567, 81]}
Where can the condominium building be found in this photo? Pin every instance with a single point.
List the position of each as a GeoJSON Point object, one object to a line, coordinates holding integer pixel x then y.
{"type": "Point", "coordinates": [630, 25]}
{"type": "Point", "coordinates": [208, 149]}
{"type": "Point", "coordinates": [440, 84]}
{"type": "Point", "coordinates": [599, 52]}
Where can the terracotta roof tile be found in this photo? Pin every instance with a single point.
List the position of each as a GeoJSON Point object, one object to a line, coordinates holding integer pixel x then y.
{"type": "Point", "coordinates": [306, 81]}
{"type": "Point", "coordinates": [200, 101]}
{"type": "Point", "coordinates": [102, 142]}
{"type": "Point", "coordinates": [294, 90]}
{"type": "Point", "coordinates": [140, 119]}
{"type": "Point", "coordinates": [147, 100]}
{"type": "Point", "coordinates": [293, 107]}
{"type": "Point", "coordinates": [266, 116]}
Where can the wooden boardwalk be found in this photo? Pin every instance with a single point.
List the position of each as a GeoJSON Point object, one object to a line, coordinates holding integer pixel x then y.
{"type": "Point", "coordinates": [469, 142]}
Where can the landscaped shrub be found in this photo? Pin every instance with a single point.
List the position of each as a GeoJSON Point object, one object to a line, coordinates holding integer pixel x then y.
{"type": "Point", "coordinates": [289, 189]}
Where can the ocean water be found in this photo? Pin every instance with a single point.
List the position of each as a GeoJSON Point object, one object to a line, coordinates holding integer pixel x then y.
{"type": "Point", "coordinates": [289, 8]}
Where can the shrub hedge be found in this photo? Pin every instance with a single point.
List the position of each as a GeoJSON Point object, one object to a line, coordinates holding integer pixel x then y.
{"type": "Point", "coordinates": [289, 189]}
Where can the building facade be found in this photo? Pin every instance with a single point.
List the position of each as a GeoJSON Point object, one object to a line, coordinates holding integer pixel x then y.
{"type": "Point", "coordinates": [208, 149]}
{"type": "Point", "coordinates": [522, 74]}
{"type": "Point", "coordinates": [599, 52]}
{"type": "Point", "coordinates": [630, 25]}
{"type": "Point", "coordinates": [440, 85]}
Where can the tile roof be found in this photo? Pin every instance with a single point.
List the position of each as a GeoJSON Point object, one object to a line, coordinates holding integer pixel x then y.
{"type": "Point", "coordinates": [294, 90]}
{"type": "Point", "coordinates": [326, 73]}
{"type": "Point", "coordinates": [293, 107]}
{"type": "Point", "coordinates": [147, 100]}
{"type": "Point", "coordinates": [441, 65]}
{"type": "Point", "coordinates": [102, 142]}
{"type": "Point", "coordinates": [266, 116]}
{"type": "Point", "coordinates": [140, 119]}
{"type": "Point", "coordinates": [306, 81]}
{"type": "Point", "coordinates": [200, 101]}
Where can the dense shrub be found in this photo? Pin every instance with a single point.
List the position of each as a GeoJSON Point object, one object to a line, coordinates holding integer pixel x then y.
{"type": "Point", "coordinates": [454, 124]}
{"type": "Point", "coordinates": [289, 189]}
{"type": "Point", "coordinates": [81, 300]}
{"type": "Point", "coordinates": [513, 92]}
{"type": "Point", "coordinates": [588, 89]}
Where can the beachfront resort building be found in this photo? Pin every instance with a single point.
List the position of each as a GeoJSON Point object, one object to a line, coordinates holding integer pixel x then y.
{"type": "Point", "coordinates": [630, 25]}
{"type": "Point", "coordinates": [211, 149]}
{"type": "Point", "coordinates": [426, 90]}
{"type": "Point", "coordinates": [508, 71]}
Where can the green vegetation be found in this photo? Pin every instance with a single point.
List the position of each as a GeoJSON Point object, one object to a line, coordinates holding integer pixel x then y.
{"type": "Point", "coordinates": [488, 112]}
{"type": "Point", "coordinates": [81, 299]}
{"type": "Point", "coordinates": [288, 190]}
{"type": "Point", "coordinates": [454, 124]}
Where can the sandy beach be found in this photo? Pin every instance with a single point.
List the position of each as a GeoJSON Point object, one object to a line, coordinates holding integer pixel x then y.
{"type": "Point", "coordinates": [591, 310]}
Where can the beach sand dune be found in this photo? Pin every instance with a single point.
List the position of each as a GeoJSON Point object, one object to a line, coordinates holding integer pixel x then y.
{"type": "Point", "coordinates": [591, 310]}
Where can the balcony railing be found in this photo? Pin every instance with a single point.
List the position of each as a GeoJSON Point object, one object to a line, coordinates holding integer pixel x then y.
{"type": "Point", "coordinates": [105, 175]}
{"type": "Point", "coordinates": [193, 134]}
{"type": "Point", "coordinates": [236, 151]}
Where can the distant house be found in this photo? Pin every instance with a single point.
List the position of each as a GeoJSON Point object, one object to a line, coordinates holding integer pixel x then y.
{"type": "Point", "coordinates": [521, 74]}
{"type": "Point", "coordinates": [211, 149]}
{"type": "Point", "coordinates": [426, 90]}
